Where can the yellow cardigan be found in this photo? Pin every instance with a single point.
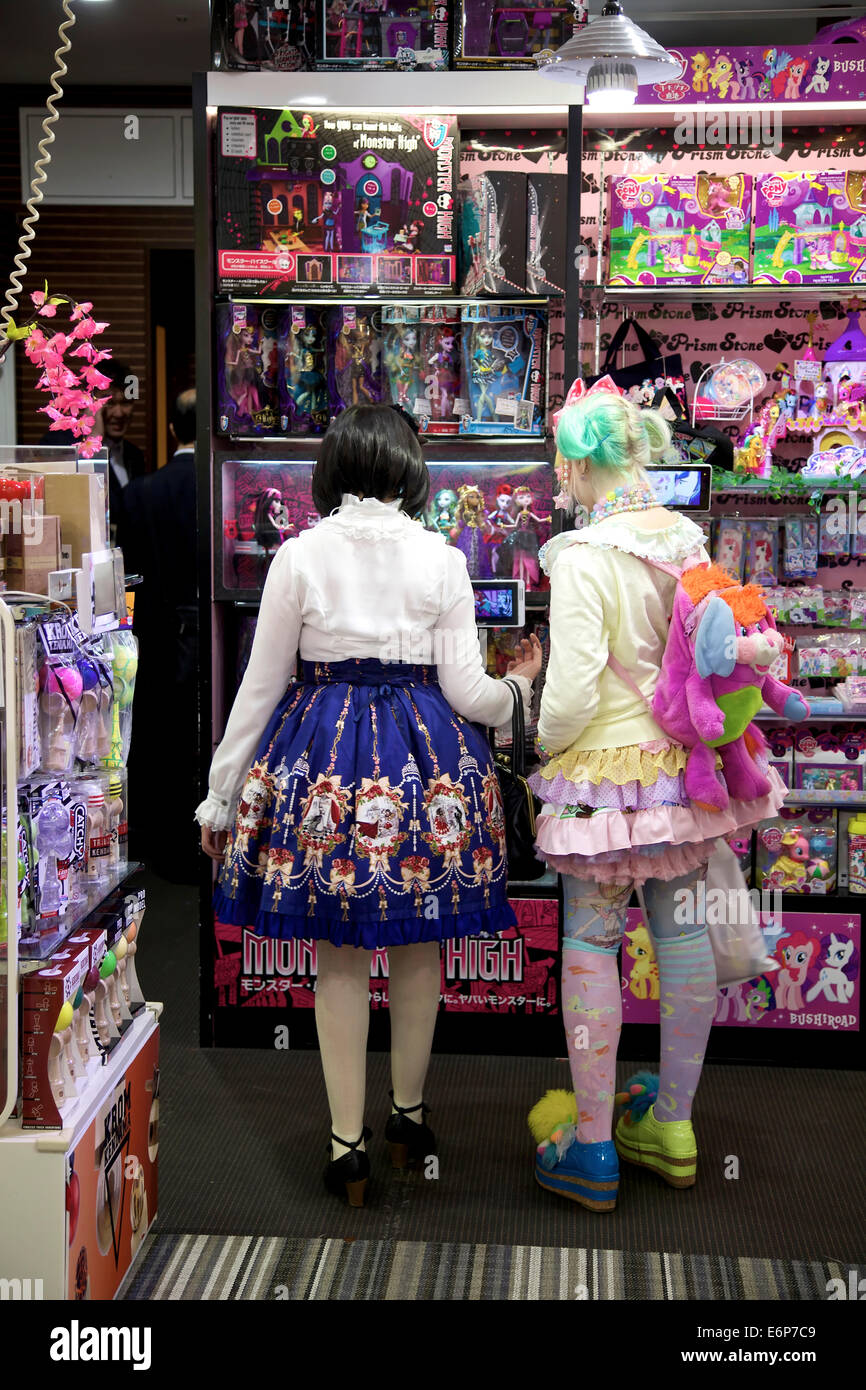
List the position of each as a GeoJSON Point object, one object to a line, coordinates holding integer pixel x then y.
{"type": "Point", "coordinates": [604, 599]}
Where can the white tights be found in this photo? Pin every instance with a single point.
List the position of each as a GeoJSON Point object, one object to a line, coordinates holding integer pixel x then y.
{"type": "Point", "coordinates": [342, 1022]}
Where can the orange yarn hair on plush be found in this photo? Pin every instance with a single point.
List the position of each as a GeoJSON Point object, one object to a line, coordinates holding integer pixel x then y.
{"type": "Point", "coordinates": [701, 580]}
{"type": "Point", "coordinates": [747, 604]}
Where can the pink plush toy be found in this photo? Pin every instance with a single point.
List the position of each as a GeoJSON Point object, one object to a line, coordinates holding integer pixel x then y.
{"type": "Point", "coordinates": [714, 679]}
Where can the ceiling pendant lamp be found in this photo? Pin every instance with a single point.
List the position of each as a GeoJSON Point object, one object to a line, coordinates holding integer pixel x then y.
{"type": "Point", "coordinates": [611, 57]}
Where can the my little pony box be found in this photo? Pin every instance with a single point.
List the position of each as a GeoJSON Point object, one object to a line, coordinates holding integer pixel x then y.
{"type": "Point", "coordinates": [796, 852]}
{"type": "Point", "coordinates": [810, 228]}
{"type": "Point", "coordinates": [828, 762]}
{"type": "Point", "coordinates": [680, 231]}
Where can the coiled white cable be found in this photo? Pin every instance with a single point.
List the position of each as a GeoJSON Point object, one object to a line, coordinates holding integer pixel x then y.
{"type": "Point", "coordinates": [28, 233]}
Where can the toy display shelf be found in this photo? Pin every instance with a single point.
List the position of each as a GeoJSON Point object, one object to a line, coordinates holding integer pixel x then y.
{"type": "Point", "coordinates": [730, 293]}
{"type": "Point", "coordinates": [768, 717]}
{"type": "Point", "coordinates": [32, 955]}
{"type": "Point", "coordinates": [794, 486]}
{"type": "Point", "coordinates": [407, 301]}
{"type": "Point", "coordinates": [249, 599]}
{"type": "Point", "coordinates": [798, 797]}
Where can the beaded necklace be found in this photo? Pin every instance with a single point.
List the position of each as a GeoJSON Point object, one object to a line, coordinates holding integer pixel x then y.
{"type": "Point", "coordinates": [639, 497]}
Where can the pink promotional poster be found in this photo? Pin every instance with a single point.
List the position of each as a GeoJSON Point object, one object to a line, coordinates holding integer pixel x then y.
{"type": "Point", "coordinates": [816, 987]}
{"type": "Point", "coordinates": [515, 973]}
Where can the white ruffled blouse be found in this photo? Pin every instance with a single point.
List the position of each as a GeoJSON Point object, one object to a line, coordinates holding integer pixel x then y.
{"type": "Point", "coordinates": [604, 600]}
{"type": "Point", "coordinates": [367, 581]}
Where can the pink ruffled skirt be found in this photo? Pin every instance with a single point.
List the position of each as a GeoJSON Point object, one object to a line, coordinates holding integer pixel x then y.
{"type": "Point", "coordinates": [623, 815]}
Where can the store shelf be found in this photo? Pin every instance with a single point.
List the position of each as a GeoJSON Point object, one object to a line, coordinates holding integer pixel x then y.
{"type": "Point", "coordinates": [407, 301]}
{"type": "Point", "coordinates": [32, 954]}
{"type": "Point", "coordinates": [251, 598]}
{"type": "Point", "coordinates": [731, 294]}
{"type": "Point", "coordinates": [303, 444]}
{"type": "Point", "coordinates": [496, 98]}
{"type": "Point", "coordinates": [843, 799]}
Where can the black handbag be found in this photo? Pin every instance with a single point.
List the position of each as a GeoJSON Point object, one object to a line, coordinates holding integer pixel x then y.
{"type": "Point", "coordinates": [633, 379]}
{"type": "Point", "coordinates": [703, 443]}
{"type": "Point", "coordinates": [520, 805]}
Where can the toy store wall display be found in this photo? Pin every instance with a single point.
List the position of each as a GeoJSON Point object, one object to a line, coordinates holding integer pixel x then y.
{"type": "Point", "coordinates": [816, 985]}
{"type": "Point", "coordinates": [334, 202]}
{"type": "Point", "coordinates": [514, 973]}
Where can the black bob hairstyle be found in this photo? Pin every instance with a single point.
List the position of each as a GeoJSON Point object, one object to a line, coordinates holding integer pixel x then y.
{"type": "Point", "coordinates": [371, 451]}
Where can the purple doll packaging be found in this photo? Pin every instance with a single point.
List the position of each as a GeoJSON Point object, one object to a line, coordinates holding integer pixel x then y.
{"type": "Point", "coordinates": [810, 228]}
{"type": "Point", "coordinates": [354, 356]}
{"type": "Point", "coordinates": [402, 34]}
{"type": "Point", "coordinates": [680, 231]}
{"type": "Point", "coordinates": [328, 201]}
{"type": "Point", "coordinates": [501, 34]}
{"type": "Point", "coordinates": [421, 360]}
{"type": "Point", "coordinates": [248, 368]}
{"type": "Point", "coordinates": [305, 407]}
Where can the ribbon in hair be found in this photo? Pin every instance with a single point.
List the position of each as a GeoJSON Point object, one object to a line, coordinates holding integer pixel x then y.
{"type": "Point", "coordinates": [578, 390]}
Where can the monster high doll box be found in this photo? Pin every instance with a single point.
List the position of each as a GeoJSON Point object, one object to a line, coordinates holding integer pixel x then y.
{"type": "Point", "coordinates": [504, 367]}
{"type": "Point", "coordinates": [334, 202]}
{"type": "Point", "coordinates": [248, 368]}
{"type": "Point", "coordinates": [271, 35]}
{"type": "Point", "coordinates": [261, 505]}
{"type": "Point", "coordinates": [497, 34]}
{"type": "Point", "coordinates": [680, 231]}
{"type": "Point", "coordinates": [402, 34]}
{"type": "Point", "coordinates": [492, 210]}
{"type": "Point", "coordinates": [810, 228]}
{"type": "Point", "coordinates": [355, 356]}
{"type": "Point", "coordinates": [498, 514]}
{"type": "Point", "coordinates": [305, 403]}
{"type": "Point", "coordinates": [421, 362]}
{"type": "Point", "coordinates": [546, 221]}
{"type": "Point", "coordinates": [796, 852]}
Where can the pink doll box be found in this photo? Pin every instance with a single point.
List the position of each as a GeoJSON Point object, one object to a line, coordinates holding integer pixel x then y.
{"type": "Point", "coordinates": [829, 762]}
{"type": "Point", "coordinates": [796, 852]}
{"type": "Point", "coordinates": [680, 231]}
{"type": "Point", "coordinates": [730, 549]}
{"type": "Point", "coordinates": [810, 228]}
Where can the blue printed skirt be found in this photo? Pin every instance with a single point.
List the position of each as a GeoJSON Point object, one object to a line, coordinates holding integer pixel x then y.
{"type": "Point", "coordinates": [371, 816]}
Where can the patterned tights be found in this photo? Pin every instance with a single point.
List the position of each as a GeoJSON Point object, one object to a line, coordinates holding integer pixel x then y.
{"type": "Point", "coordinates": [595, 920]}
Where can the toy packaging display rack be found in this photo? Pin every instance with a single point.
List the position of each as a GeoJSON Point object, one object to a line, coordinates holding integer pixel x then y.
{"type": "Point", "coordinates": [334, 202]}
{"type": "Point", "coordinates": [401, 34]}
{"type": "Point", "coordinates": [490, 33]}
{"type": "Point", "coordinates": [668, 230]}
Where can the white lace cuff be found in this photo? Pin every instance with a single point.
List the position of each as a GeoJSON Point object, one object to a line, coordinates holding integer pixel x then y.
{"type": "Point", "coordinates": [215, 812]}
{"type": "Point", "coordinates": [525, 687]}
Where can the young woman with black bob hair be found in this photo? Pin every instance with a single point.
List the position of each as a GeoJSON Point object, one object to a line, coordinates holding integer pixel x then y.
{"type": "Point", "coordinates": [360, 800]}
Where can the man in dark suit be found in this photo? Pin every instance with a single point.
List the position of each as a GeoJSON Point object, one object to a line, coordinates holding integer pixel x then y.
{"type": "Point", "coordinates": [160, 544]}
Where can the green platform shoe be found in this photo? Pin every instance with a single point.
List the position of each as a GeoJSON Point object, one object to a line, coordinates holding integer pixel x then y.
{"type": "Point", "coordinates": [666, 1147]}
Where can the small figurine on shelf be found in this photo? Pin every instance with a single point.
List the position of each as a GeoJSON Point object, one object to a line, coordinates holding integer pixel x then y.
{"type": "Point", "coordinates": [523, 541]}
{"type": "Point", "coordinates": [472, 532]}
{"type": "Point", "coordinates": [243, 369]}
{"type": "Point", "coordinates": [271, 523]}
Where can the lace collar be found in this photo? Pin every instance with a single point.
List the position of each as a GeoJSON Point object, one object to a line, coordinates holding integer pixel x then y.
{"type": "Point", "coordinates": [368, 518]}
{"type": "Point", "coordinates": [670, 544]}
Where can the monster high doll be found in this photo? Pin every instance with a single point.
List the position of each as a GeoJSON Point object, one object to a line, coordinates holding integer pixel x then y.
{"type": "Point", "coordinates": [523, 542]}
{"type": "Point", "coordinates": [243, 372]}
{"type": "Point", "coordinates": [472, 532]}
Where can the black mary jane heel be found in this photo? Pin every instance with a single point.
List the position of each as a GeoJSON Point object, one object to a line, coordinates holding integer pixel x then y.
{"type": "Point", "coordinates": [409, 1143]}
{"type": "Point", "coordinates": [348, 1175]}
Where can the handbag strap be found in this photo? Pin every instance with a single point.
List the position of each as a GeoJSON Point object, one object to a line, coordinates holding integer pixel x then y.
{"type": "Point", "coordinates": [518, 731]}
{"type": "Point", "coordinates": [651, 349]}
{"type": "Point", "coordinates": [666, 393]}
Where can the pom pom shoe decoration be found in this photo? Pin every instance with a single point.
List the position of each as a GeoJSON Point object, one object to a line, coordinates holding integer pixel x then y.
{"type": "Point", "coordinates": [348, 1175]}
{"type": "Point", "coordinates": [410, 1143]}
{"type": "Point", "coordinates": [666, 1147]}
{"type": "Point", "coordinates": [584, 1173]}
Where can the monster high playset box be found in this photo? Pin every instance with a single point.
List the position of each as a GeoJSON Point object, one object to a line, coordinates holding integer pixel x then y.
{"type": "Point", "coordinates": [810, 228]}
{"type": "Point", "coordinates": [497, 33]}
{"type": "Point", "coordinates": [504, 369]}
{"type": "Point", "coordinates": [402, 34]}
{"type": "Point", "coordinates": [334, 202]}
{"type": "Point", "coordinates": [668, 230]}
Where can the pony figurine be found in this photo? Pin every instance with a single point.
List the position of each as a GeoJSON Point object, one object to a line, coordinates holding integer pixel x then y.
{"type": "Point", "coordinates": [715, 676]}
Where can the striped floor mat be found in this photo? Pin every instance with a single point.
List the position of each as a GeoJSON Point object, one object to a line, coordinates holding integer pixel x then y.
{"type": "Point", "coordinates": [178, 1267]}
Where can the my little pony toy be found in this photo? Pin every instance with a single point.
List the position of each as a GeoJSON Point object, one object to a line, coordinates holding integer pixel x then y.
{"type": "Point", "coordinates": [715, 676]}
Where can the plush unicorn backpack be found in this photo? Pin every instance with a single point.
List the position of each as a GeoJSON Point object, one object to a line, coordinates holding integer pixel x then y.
{"type": "Point", "coordinates": [715, 676]}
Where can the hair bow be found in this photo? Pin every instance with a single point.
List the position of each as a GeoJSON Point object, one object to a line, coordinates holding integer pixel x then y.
{"type": "Point", "coordinates": [578, 390]}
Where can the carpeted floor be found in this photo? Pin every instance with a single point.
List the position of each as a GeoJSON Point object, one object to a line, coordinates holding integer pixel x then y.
{"type": "Point", "coordinates": [780, 1176]}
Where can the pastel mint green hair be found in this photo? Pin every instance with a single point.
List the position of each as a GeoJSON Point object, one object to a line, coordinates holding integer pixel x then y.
{"type": "Point", "coordinates": [611, 433]}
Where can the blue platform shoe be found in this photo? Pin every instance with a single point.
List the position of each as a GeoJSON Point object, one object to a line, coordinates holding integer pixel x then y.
{"type": "Point", "coordinates": [584, 1173]}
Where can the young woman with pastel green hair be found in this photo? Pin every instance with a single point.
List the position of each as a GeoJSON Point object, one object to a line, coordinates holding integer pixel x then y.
{"type": "Point", "coordinates": [616, 813]}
